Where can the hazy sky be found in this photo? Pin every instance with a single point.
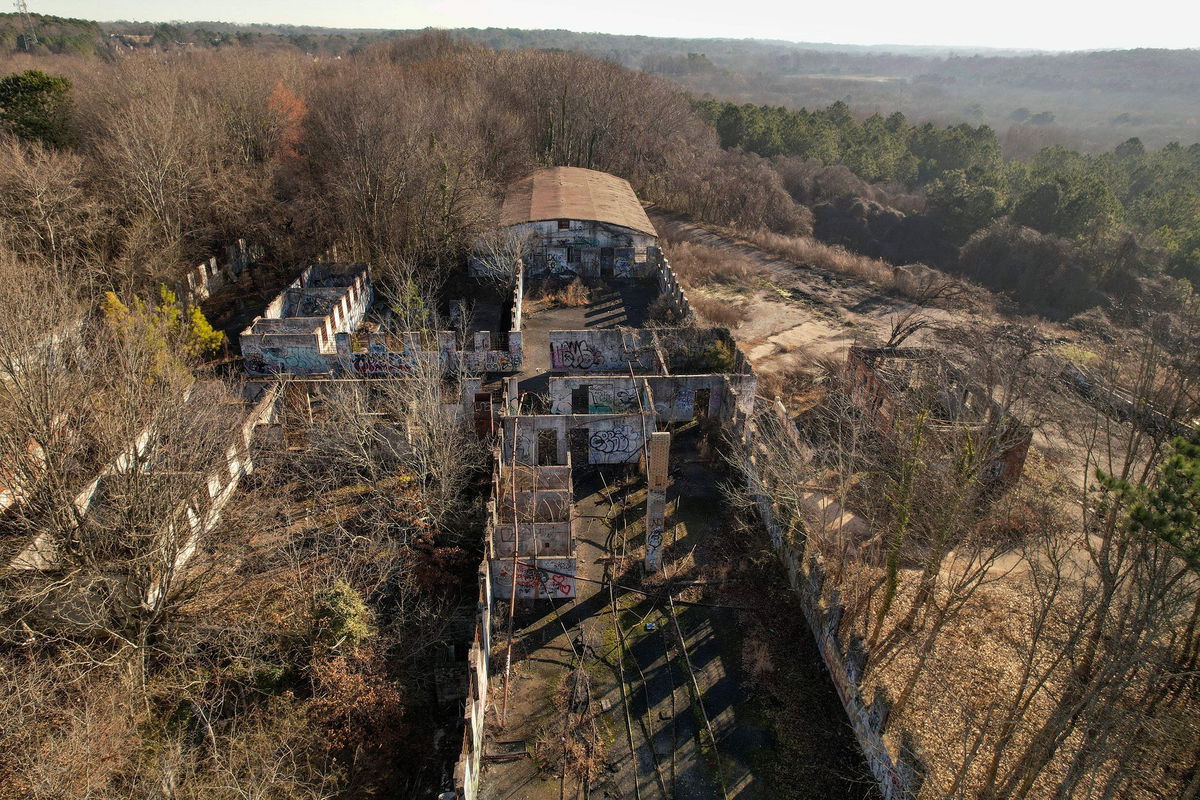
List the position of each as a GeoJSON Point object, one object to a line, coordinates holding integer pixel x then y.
{"type": "Point", "coordinates": [1042, 24]}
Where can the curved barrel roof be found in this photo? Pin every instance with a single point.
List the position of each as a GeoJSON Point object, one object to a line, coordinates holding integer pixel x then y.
{"type": "Point", "coordinates": [574, 193]}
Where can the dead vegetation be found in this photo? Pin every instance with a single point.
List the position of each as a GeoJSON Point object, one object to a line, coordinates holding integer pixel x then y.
{"type": "Point", "coordinates": [718, 311]}
{"type": "Point", "coordinates": [553, 293]}
{"type": "Point", "coordinates": [700, 265]}
{"type": "Point", "coordinates": [1038, 643]}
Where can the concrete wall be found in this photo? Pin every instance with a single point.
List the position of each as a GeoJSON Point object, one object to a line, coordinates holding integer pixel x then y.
{"type": "Point", "coordinates": [537, 579]}
{"type": "Point", "coordinates": [584, 249]}
{"type": "Point", "coordinates": [279, 341]}
{"type": "Point", "coordinates": [603, 350]}
{"type": "Point", "coordinates": [542, 505]}
{"type": "Point", "coordinates": [674, 395]}
{"type": "Point", "coordinates": [202, 512]}
{"type": "Point", "coordinates": [657, 477]}
{"type": "Point", "coordinates": [466, 771]}
{"type": "Point", "coordinates": [670, 290]}
{"type": "Point", "coordinates": [543, 539]}
{"type": "Point", "coordinates": [648, 351]}
{"type": "Point", "coordinates": [608, 438]}
{"type": "Point", "coordinates": [203, 280]}
{"type": "Point", "coordinates": [872, 394]}
{"type": "Point", "coordinates": [391, 355]}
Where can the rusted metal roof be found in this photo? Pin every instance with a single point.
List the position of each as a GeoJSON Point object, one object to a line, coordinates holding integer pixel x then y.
{"type": "Point", "coordinates": [574, 193]}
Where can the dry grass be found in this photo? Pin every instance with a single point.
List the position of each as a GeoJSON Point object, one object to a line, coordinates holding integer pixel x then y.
{"type": "Point", "coordinates": [575, 294]}
{"type": "Point", "coordinates": [701, 265]}
{"type": "Point", "coordinates": [807, 250]}
{"type": "Point", "coordinates": [720, 312]}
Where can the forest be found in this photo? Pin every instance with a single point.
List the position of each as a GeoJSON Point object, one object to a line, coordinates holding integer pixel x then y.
{"type": "Point", "coordinates": [301, 666]}
{"type": "Point", "coordinates": [1120, 216]}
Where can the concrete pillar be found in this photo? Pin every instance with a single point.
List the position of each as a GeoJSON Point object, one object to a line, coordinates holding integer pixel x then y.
{"type": "Point", "coordinates": [513, 396]}
{"type": "Point", "coordinates": [657, 459]}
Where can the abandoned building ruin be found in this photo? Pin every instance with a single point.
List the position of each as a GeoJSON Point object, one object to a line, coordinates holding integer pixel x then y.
{"type": "Point", "coordinates": [556, 395]}
{"type": "Point", "coordinates": [882, 379]}
{"type": "Point", "coordinates": [581, 222]}
{"type": "Point", "coordinates": [326, 322]}
{"type": "Point", "coordinates": [98, 504]}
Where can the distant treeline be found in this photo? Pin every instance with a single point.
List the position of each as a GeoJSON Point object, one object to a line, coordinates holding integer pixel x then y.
{"type": "Point", "coordinates": [1087, 101]}
{"type": "Point", "coordinates": [1153, 197]}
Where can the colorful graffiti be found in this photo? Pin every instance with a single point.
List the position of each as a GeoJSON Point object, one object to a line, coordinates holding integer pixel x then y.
{"type": "Point", "coordinates": [600, 399]}
{"type": "Point", "coordinates": [550, 579]}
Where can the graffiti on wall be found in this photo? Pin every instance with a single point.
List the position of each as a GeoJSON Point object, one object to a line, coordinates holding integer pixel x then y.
{"type": "Point", "coordinates": [626, 400]}
{"type": "Point", "coordinates": [618, 440]}
{"type": "Point", "coordinates": [556, 262]}
{"type": "Point", "coordinates": [685, 402]}
{"type": "Point", "coordinates": [255, 365]}
{"type": "Point", "coordinates": [298, 360]}
{"type": "Point", "coordinates": [622, 267]}
{"type": "Point", "coordinates": [600, 398]}
{"type": "Point", "coordinates": [525, 448]}
{"type": "Point", "coordinates": [502, 361]}
{"type": "Point", "coordinates": [551, 579]}
{"type": "Point", "coordinates": [654, 541]}
{"type": "Point", "coordinates": [575, 355]}
{"type": "Point", "coordinates": [374, 364]}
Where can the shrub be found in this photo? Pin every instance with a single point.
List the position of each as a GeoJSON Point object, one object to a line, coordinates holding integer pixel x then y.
{"type": "Point", "coordinates": [341, 617]}
{"type": "Point", "coordinates": [576, 295]}
{"type": "Point", "coordinates": [806, 250]}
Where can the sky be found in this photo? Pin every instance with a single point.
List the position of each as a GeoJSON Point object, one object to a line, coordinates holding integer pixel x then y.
{"type": "Point", "coordinates": [1022, 24]}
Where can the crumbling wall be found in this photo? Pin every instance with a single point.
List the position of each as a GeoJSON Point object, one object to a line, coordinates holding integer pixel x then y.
{"type": "Point", "coordinates": [896, 773]}
{"type": "Point", "coordinates": [657, 462]}
{"type": "Point", "coordinates": [533, 505]}
{"type": "Point", "coordinates": [202, 512]}
{"type": "Point", "coordinates": [600, 438]}
{"type": "Point", "coordinates": [880, 396]}
{"type": "Point", "coordinates": [669, 290]}
{"type": "Point", "coordinates": [537, 578]}
{"type": "Point", "coordinates": [588, 248]}
{"type": "Point", "coordinates": [603, 350]}
{"type": "Point", "coordinates": [203, 280]}
{"type": "Point", "coordinates": [466, 771]}
{"type": "Point", "coordinates": [675, 396]}
{"type": "Point", "coordinates": [647, 351]}
{"type": "Point", "coordinates": [282, 341]}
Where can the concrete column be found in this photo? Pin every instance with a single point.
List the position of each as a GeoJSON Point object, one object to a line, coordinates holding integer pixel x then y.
{"type": "Point", "coordinates": [513, 396]}
{"type": "Point", "coordinates": [658, 456]}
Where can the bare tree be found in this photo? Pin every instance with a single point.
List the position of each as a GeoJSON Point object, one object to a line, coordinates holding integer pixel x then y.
{"type": "Point", "coordinates": [499, 256]}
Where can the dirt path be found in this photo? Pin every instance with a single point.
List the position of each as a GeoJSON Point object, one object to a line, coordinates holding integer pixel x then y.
{"type": "Point", "coordinates": [800, 312]}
